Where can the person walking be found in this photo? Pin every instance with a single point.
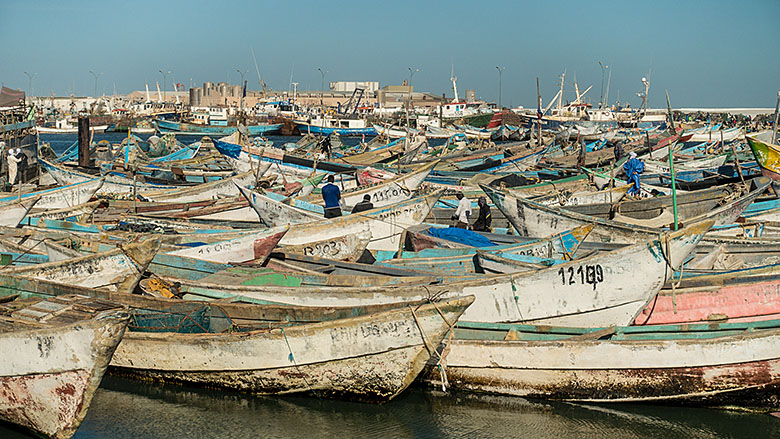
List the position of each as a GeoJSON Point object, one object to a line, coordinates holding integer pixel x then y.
{"type": "Point", "coordinates": [482, 224]}
{"type": "Point", "coordinates": [463, 212]}
{"type": "Point", "coordinates": [331, 195]}
{"type": "Point", "coordinates": [366, 204]}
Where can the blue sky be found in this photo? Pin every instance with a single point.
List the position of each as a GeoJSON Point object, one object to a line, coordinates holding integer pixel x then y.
{"type": "Point", "coordinates": [706, 53]}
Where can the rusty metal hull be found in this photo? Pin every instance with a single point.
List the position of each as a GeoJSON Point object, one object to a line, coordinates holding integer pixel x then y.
{"type": "Point", "coordinates": [48, 376]}
{"type": "Point", "coordinates": [368, 358]}
{"type": "Point", "coordinates": [741, 369]}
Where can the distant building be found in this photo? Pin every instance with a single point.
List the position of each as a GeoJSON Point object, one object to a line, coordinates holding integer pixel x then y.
{"type": "Point", "coordinates": [471, 96]}
{"type": "Point", "coordinates": [370, 87]}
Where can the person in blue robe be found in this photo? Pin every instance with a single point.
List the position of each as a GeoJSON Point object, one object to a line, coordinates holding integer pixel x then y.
{"type": "Point", "coordinates": [633, 167]}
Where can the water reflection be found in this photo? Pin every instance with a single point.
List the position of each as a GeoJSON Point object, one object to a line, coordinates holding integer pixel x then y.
{"type": "Point", "coordinates": [124, 408]}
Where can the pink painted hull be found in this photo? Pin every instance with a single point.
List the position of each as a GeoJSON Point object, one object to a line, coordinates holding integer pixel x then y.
{"type": "Point", "coordinates": [30, 400]}
{"type": "Point", "coordinates": [736, 303]}
{"type": "Point", "coordinates": [50, 374]}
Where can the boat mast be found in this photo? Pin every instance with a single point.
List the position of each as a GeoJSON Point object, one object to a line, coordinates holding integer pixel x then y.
{"type": "Point", "coordinates": [159, 93]}
{"type": "Point", "coordinates": [560, 92]}
{"type": "Point", "coordinates": [454, 80]}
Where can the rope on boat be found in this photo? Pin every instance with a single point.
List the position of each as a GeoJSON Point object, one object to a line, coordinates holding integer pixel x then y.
{"type": "Point", "coordinates": [291, 357]}
{"type": "Point", "coordinates": [441, 363]}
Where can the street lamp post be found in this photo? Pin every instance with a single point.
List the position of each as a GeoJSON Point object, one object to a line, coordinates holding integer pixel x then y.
{"type": "Point", "coordinates": [500, 71]}
{"type": "Point", "coordinates": [241, 98]}
{"type": "Point", "coordinates": [96, 75]}
{"type": "Point", "coordinates": [603, 69]}
{"type": "Point", "coordinates": [165, 76]}
{"type": "Point", "coordinates": [322, 86]}
{"type": "Point", "coordinates": [29, 86]}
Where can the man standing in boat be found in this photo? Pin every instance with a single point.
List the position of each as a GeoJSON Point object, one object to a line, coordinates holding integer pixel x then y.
{"type": "Point", "coordinates": [482, 224]}
{"type": "Point", "coordinates": [633, 167]}
{"type": "Point", "coordinates": [325, 146]}
{"type": "Point", "coordinates": [331, 195]}
{"type": "Point", "coordinates": [463, 212]}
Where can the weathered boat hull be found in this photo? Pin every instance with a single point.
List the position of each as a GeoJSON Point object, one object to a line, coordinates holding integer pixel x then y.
{"type": "Point", "coordinates": [209, 191]}
{"type": "Point", "coordinates": [368, 358]}
{"type": "Point", "coordinates": [734, 296]}
{"type": "Point", "coordinates": [49, 375]}
{"type": "Point", "coordinates": [61, 197]}
{"type": "Point", "coordinates": [740, 367]}
{"type": "Point", "coordinates": [767, 155]}
{"type": "Point", "coordinates": [11, 214]}
{"type": "Point", "coordinates": [254, 247]}
{"type": "Point", "coordinates": [115, 270]}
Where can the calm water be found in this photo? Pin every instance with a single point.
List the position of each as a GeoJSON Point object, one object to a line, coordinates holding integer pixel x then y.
{"type": "Point", "coordinates": [130, 409]}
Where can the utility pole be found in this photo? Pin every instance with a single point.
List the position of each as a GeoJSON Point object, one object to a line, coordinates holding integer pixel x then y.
{"type": "Point", "coordinates": [29, 85]}
{"type": "Point", "coordinates": [500, 71]}
{"type": "Point", "coordinates": [165, 76]}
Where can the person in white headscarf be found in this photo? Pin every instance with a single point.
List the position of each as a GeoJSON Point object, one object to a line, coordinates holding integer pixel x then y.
{"type": "Point", "coordinates": [13, 164]}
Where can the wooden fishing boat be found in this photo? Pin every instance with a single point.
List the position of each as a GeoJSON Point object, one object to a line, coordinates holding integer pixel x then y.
{"type": "Point", "coordinates": [689, 204]}
{"type": "Point", "coordinates": [744, 295]}
{"type": "Point", "coordinates": [61, 197]}
{"type": "Point", "coordinates": [708, 134]}
{"type": "Point", "coordinates": [366, 353]}
{"type": "Point", "coordinates": [534, 219]}
{"type": "Point", "coordinates": [371, 357]}
{"type": "Point", "coordinates": [714, 364]}
{"type": "Point", "coordinates": [561, 245]}
{"type": "Point", "coordinates": [54, 355]}
{"type": "Point", "coordinates": [208, 191]}
{"type": "Point", "coordinates": [112, 184]}
{"type": "Point", "coordinates": [767, 153]}
{"type": "Point", "coordinates": [79, 210]}
{"type": "Point", "coordinates": [254, 247]}
{"type": "Point", "coordinates": [119, 269]}
{"type": "Point", "coordinates": [193, 129]}
{"type": "Point", "coordinates": [563, 199]}
{"type": "Point", "coordinates": [12, 213]}
{"type": "Point", "coordinates": [605, 288]}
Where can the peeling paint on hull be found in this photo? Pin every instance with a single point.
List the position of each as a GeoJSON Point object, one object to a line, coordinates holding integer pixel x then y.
{"type": "Point", "coordinates": [50, 375]}
{"type": "Point", "coordinates": [743, 369]}
{"type": "Point", "coordinates": [369, 358]}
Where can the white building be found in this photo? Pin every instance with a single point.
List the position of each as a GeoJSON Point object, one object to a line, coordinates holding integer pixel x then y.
{"type": "Point", "coordinates": [349, 86]}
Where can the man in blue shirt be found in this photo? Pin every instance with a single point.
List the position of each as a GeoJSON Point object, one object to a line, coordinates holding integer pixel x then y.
{"type": "Point", "coordinates": [331, 195]}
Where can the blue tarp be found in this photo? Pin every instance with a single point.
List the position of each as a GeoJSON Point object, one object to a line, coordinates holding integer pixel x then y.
{"type": "Point", "coordinates": [461, 236]}
{"type": "Point", "coordinates": [229, 149]}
